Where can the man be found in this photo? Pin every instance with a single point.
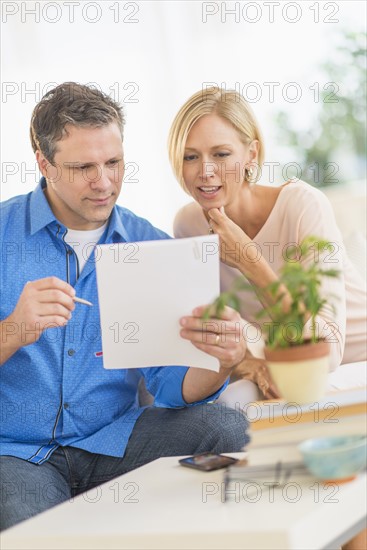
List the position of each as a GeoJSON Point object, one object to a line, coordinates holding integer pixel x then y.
{"type": "Point", "coordinates": [67, 424]}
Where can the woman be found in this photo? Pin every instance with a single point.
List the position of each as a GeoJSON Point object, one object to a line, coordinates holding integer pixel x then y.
{"type": "Point", "coordinates": [216, 150]}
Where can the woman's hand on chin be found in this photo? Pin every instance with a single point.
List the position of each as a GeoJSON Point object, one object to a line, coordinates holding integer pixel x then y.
{"type": "Point", "coordinates": [236, 247]}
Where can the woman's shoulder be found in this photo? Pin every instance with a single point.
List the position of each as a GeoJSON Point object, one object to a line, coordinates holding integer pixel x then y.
{"type": "Point", "coordinates": [190, 221]}
{"type": "Point", "coordinates": [301, 195]}
{"type": "Point", "coordinates": [299, 188]}
{"type": "Point", "coordinates": [309, 210]}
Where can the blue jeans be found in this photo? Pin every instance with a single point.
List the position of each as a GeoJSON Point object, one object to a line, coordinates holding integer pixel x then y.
{"type": "Point", "coordinates": [27, 489]}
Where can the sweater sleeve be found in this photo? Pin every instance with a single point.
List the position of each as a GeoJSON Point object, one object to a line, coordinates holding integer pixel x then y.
{"type": "Point", "coordinates": [190, 222]}
{"type": "Point", "coordinates": [317, 219]}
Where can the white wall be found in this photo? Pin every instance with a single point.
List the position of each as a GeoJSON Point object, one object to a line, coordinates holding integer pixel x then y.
{"type": "Point", "coordinates": [154, 64]}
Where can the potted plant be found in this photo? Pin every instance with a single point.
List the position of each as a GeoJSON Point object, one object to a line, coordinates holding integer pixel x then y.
{"type": "Point", "coordinates": [297, 364]}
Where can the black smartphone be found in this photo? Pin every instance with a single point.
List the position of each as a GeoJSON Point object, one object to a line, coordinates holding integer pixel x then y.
{"type": "Point", "coordinates": [207, 462]}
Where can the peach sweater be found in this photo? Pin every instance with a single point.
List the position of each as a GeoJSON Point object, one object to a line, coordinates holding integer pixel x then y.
{"type": "Point", "coordinates": [299, 211]}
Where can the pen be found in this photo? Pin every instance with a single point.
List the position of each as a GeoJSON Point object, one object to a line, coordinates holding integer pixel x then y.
{"type": "Point", "coordinates": [81, 301]}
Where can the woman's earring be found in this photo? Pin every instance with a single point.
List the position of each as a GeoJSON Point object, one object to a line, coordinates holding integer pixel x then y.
{"type": "Point", "coordinates": [249, 173]}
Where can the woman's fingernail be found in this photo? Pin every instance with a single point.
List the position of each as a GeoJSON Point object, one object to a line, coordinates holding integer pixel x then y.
{"type": "Point", "coordinates": [183, 321]}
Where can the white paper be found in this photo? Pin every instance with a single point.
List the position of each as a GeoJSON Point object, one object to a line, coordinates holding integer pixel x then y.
{"type": "Point", "coordinates": [144, 288]}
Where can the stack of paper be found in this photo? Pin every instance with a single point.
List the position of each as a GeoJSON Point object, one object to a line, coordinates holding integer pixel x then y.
{"type": "Point", "coordinates": [276, 422]}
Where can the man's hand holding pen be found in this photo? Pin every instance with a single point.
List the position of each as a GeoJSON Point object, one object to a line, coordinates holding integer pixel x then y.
{"type": "Point", "coordinates": [42, 303]}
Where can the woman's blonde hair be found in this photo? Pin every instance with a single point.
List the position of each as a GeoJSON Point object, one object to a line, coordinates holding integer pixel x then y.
{"type": "Point", "coordinates": [228, 104]}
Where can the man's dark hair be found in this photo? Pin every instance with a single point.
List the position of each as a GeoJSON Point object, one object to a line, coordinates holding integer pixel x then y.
{"type": "Point", "coordinates": [75, 104]}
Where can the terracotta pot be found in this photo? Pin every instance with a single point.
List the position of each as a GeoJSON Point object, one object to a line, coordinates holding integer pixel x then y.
{"type": "Point", "coordinates": [300, 372]}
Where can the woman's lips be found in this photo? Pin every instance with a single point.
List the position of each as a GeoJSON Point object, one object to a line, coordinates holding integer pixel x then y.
{"type": "Point", "coordinates": [209, 191]}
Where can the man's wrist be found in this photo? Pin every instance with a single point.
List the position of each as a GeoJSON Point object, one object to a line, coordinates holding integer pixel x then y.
{"type": "Point", "coordinates": [9, 338]}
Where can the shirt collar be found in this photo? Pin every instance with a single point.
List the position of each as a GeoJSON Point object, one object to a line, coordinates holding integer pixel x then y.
{"type": "Point", "coordinates": [116, 226]}
{"type": "Point", "coordinates": [42, 215]}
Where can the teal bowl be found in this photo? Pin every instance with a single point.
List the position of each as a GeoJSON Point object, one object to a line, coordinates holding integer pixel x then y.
{"type": "Point", "coordinates": [335, 458]}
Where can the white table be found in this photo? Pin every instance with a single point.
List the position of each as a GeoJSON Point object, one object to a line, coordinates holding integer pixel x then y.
{"type": "Point", "coordinates": [165, 506]}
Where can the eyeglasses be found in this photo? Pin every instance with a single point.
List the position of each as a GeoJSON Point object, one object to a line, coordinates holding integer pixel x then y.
{"type": "Point", "coordinates": [271, 476]}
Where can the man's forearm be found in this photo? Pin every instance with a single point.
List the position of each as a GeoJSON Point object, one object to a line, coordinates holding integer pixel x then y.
{"type": "Point", "coordinates": [199, 384]}
{"type": "Point", "coordinates": [9, 342]}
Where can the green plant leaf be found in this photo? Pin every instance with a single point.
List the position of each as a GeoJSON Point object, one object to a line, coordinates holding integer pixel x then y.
{"type": "Point", "coordinates": [301, 276]}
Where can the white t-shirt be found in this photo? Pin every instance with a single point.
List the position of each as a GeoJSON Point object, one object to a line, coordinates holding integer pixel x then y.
{"type": "Point", "coordinates": [83, 242]}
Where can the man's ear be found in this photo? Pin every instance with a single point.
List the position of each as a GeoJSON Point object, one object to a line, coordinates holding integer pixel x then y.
{"type": "Point", "coordinates": [42, 162]}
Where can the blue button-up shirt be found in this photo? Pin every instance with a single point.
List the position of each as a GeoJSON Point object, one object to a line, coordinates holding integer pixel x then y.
{"type": "Point", "coordinates": [56, 391]}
